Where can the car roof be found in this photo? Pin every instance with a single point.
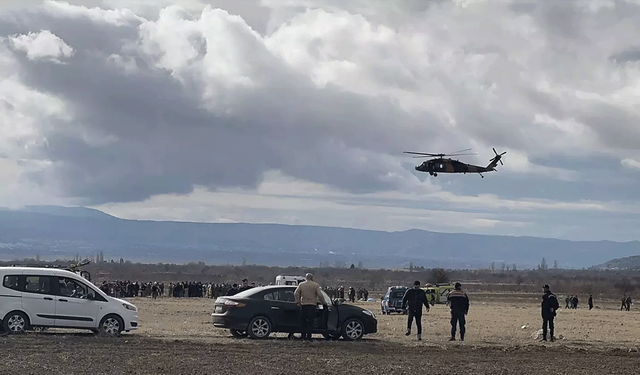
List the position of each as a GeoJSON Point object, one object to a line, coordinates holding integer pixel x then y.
{"type": "Point", "coordinates": [9, 269]}
{"type": "Point", "coordinates": [258, 289]}
{"type": "Point", "coordinates": [269, 287]}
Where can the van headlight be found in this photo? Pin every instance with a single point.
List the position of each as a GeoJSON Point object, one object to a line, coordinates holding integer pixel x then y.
{"type": "Point", "coordinates": [129, 307]}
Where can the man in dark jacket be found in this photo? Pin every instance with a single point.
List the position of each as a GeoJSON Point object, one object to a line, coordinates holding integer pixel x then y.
{"type": "Point", "coordinates": [459, 306]}
{"type": "Point", "coordinates": [244, 286]}
{"type": "Point", "coordinates": [549, 307]}
{"type": "Point", "coordinates": [233, 290]}
{"type": "Point", "coordinates": [412, 301]}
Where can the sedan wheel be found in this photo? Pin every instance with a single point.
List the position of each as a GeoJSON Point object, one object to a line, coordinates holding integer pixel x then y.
{"type": "Point", "coordinates": [353, 329]}
{"type": "Point", "coordinates": [259, 328]}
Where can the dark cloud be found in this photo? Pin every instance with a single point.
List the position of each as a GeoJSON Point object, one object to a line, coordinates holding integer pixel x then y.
{"type": "Point", "coordinates": [210, 104]}
{"type": "Point", "coordinates": [630, 55]}
{"type": "Point", "coordinates": [612, 123]}
{"type": "Point", "coordinates": [164, 141]}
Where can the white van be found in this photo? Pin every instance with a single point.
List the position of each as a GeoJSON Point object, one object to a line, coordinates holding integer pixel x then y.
{"type": "Point", "coordinates": [44, 297]}
{"type": "Point", "coordinates": [289, 280]}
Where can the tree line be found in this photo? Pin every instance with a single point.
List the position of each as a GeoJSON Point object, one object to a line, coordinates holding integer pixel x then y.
{"type": "Point", "coordinates": [607, 283]}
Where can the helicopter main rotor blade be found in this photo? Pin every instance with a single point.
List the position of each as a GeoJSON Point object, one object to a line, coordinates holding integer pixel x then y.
{"type": "Point", "coordinates": [421, 153]}
{"type": "Point", "coordinates": [474, 153]}
{"type": "Point", "coordinates": [457, 152]}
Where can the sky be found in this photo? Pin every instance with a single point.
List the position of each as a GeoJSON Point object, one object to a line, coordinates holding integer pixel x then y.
{"type": "Point", "coordinates": [298, 112]}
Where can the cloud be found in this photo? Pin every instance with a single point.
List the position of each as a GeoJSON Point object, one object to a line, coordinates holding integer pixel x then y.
{"type": "Point", "coordinates": [114, 102]}
{"type": "Point", "coordinates": [42, 45]}
{"type": "Point", "coordinates": [630, 163]}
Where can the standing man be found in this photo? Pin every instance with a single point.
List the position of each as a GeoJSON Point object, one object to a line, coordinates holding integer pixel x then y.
{"type": "Point", "coordinates": [549, 307]}
{"type": "Point", "coordinates": [244, 286]}
{"type": "Point", "coordinates": [308, 293]}
{"type": "Point", "coordinates": [413, 300]}
{"type": "Point", "coordinates": [590, 301]}
{"type": "Point", "coordinates": [459, 306]}
{"type": "Point", "coordinates": [628, 302]}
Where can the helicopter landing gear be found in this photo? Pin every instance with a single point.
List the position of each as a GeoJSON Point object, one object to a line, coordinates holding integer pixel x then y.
{"type": "Point", "coordinates": [434, 174]}
{"type": "Point", "coordinates": [480, 174]}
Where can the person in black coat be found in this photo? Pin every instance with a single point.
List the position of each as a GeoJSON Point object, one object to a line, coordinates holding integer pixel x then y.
{"type": "Point", "coordinates": [412, 301]}
{"type": "Point", "coordinates": [459, 306]}
{"type": "Point", "coordinates": [550, 306]}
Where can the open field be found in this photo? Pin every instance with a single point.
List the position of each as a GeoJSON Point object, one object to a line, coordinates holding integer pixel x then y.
{"type": "Point", "coordinates": [176, 337]}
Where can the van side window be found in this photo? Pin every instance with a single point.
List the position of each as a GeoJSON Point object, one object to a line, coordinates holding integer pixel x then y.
{"type": "Point", "coordinates": [71, 288]}
{"type": "Point", "coordinates": [37, 284]}
{"type": "Point", "coordinates": [11, 282]}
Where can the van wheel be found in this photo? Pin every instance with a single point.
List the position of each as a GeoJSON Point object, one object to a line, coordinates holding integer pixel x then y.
{"type": "Point", "coordinates": [15, 322]}
{"type": "Point", "coordinates": [111, 325]}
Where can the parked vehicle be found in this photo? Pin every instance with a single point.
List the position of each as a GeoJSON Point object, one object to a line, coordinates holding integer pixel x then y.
{"type": "Point", "coordinates": [289, 280]}
{"type": "Point", "coordinates": [258, 312]}
{"type": "Point", "coordinates": [392, 300]}
{"type": "Point", "coordinates": [33, 298]}
{"type": "Point", "coordinates": [438, 293]}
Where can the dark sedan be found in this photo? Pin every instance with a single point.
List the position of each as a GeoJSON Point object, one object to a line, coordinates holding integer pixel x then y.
{"type": "Point", "coordinates": [258, 312]}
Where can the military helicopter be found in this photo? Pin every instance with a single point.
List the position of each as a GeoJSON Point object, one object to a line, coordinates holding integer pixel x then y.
{"type": "Point", "coordinates": [447, 165]}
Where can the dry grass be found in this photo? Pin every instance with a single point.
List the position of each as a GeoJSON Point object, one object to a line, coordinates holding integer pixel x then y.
{"type": "Point", "coordinates": [491, 321]}
{"type": "Point", "coordinates": [176, 337]}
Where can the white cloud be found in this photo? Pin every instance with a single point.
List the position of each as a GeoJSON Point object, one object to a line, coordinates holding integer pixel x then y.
{"type": "Point", "coordinates": [121, 102]}
{"type": "Point", "coordinates": [42, 45]}
{"type": "Point", "coordinates": [630, 163]}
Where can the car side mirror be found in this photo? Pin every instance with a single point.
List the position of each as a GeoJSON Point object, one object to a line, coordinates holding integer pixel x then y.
{"type": "Point", "coordinates": [91, 296]}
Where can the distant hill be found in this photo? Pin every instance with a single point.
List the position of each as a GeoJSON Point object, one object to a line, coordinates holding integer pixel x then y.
{"type": "Point", "coordinates": [67, 211]}
{"type": "Point", "coordinates": [58, 232]}
{"type": "Point", "coordinates": [626, 263]}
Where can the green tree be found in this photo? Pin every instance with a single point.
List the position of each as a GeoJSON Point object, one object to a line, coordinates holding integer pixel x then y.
{"type": "Point", "coordinates": [439, 276]}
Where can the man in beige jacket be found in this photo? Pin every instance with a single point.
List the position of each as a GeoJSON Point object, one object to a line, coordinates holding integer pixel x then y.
{"type": "Point", "coordinates": [308, 294]}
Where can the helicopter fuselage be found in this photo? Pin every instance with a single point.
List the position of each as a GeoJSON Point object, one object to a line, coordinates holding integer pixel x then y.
{"type": "Point", "coordinates": [443, 165]}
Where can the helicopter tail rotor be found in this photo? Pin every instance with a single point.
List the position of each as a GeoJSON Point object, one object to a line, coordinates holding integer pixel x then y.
{"type": "Point", "coordinates": [497, 158]}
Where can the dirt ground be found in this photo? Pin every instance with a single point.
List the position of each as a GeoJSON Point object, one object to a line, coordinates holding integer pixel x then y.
{"type": "Point", "coordinates": [176, 337]}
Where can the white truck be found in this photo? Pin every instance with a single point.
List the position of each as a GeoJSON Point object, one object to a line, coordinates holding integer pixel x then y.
{"type": "Point", "coordinates": [289, 280]}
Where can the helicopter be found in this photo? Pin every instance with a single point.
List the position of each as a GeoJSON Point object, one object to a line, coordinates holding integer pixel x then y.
{"type": "Point", "coordinates": [447, 165]}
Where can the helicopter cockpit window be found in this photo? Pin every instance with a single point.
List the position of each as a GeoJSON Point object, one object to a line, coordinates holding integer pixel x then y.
{"type": "Point", "coordinates": [440, 166]}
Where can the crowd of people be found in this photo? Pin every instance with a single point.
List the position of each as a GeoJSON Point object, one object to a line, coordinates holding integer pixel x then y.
{"type": "Point", "coordinates": [188, 289]}
{"type": "Point", "coordinates": [182, 289]}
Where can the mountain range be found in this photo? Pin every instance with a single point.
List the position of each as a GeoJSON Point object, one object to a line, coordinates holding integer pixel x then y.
{"type": "Point", "coordinates": [55, 232]}
{"type": "Point", "coordinates": [626, 263]}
